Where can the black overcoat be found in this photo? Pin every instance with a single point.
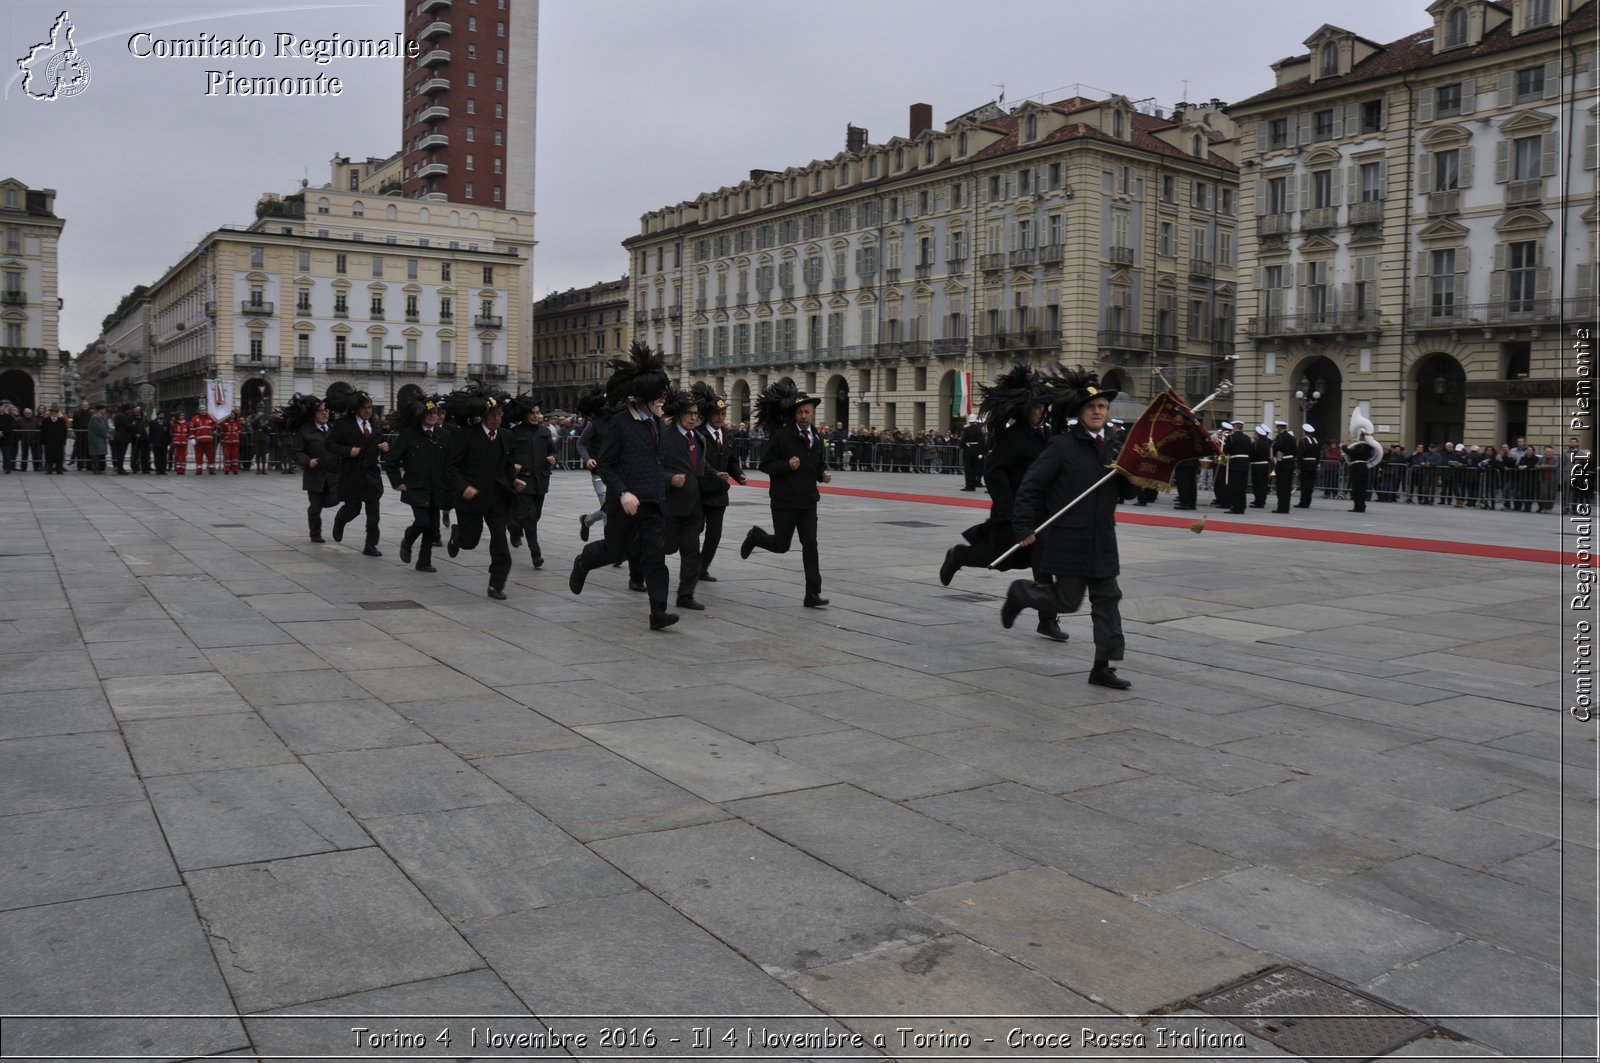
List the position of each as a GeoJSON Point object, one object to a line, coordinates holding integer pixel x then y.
{"type": "Point", "coordinates": [1083, 542]}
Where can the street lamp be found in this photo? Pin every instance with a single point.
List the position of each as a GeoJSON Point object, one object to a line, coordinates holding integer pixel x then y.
{"type": "Point", "coordinates": [1308, 395]}
{"type": "Point", "coordinates": [391, 348]}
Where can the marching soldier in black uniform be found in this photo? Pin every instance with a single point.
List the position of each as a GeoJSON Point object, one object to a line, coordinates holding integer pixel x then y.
{"type": "Point", "coordinates": [1283, 459]}
{"type": "Point", "coordinates": [1308, 455]}
{"type": "Point", "coordinates": [1013, 409]}
{"type": "Point", "coordinates": [723, 466]}
{"type": "Point", "coordinates": [533, 456]}
{"type": "Point", "coordinates": [683, 460]}
{"type": "Point", "coordinates": [359, 445]}
{"type": "Point", "coordinates": [1260, 467]}
{"type": "Point", "coordinates": [1240, 452]}
{"type": "Point", "coordinates": [477, 470]}
{"type": "Point", "coordinates": [794, 463]}
{"type": "Point", "coordinates": [971, 452]}
{"type": "Point", "coordinates": [416, 468]}
{"type": "Point", "coordinates": [631, 464]}
{"type": "Point", "coordinates": [305, 421]}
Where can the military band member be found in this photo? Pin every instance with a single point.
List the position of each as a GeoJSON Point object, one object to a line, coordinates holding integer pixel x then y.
{"type": "Point", "coordinates": [359, 445]}
{"type": "Point", "coordinates": [1308, 454]}
{"type": "Point", "coordinates": [1283, 460]}
{"type": "Point", "coordinates": [533, 456]}
{"type": "Point", "coordinates": [1240, 452]}
{"type": "Point", "coordinates": [1260, 467]}
{"type": "Point", "coordinates": [305, 420]}
{"type": "Point", "coordinates": [684, 464]}
{"type": "Point", "coordinates": [794, 464]}
{"type": "Point", "coordinates": [478, 472]}
{"type": "Point", "coordinates": [723, 465]}
{"type": "Point", "coordinates": [416, 468]}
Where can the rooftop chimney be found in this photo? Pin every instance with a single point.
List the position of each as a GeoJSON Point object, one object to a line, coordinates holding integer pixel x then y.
{"type": "Point", "coordinates": [921, 118]}
{"type": "Point", "coordinates": [855, 139]}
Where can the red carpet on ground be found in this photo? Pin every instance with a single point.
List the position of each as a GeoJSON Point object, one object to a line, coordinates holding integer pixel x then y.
{"type": "Point", "coordinates": [1243, 527]}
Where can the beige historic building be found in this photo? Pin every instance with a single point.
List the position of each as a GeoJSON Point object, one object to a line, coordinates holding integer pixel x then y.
{"type": "Point", "coordinates": [31, 361]}
{"type": "Point", "coordinates": [1420, 225]}
{"type": "Point", "coordinates": [393, 295]}
{"type": "Point", "coordinates": [1083, 230]}
{"type": "Point", "coordinates": [575, 333]}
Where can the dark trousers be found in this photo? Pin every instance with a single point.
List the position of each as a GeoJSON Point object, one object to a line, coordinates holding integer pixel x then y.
{"type": "Point", "coordinates": [642, 535]}
{"type": "Point", "coordinates": [528, 509]}
{"type": "Point", "coordinates": [469, 529]}
{"type": "Point", "coordinates": [1308, 481]}
{"type": "Point", "coordinates": [316, 502]}
{"type": "Point", "coordinates": [119, 452]}
{"type": "Point", "coordinates": [713, 535]}
{"type": "Point", "coordinates": [140, 459]}
{"type": "Point", "coordinates": [1285, 485]}
{"type": "Point", "coordinates": [423, 529]}
{"type": "Point", "coordinates": [1358, 486]}
{"type": "Point", "coordinates": [348, 511]}
{"type": "Point", "coordinates": [969, 465]}
{"type": "Point", "coordinates": [1260, 477]}
{"type": "Point", "coordinates": [1186, 482]}
{"type": "Point", "coordinates": [1238, 484]}
{"type": "Point", "coordinates": [55, 457]}
{"type": "Point", "coordinates": [159, 453]}
{"type": "Point", "coordinates": [29, 442]}
{"type": "Point", "coordinates": [785, 522]}
{"type": "Point", "coordinates": [80, 448]}
{"type": "Point", "coordinates": [682, 536]}
{"type": "Point", "coordinates": [1064, 594]}
{"type": "Point", "coordinates": [8, 452]}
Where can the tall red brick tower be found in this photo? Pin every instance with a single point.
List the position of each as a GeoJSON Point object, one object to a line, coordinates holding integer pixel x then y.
{"type": "Point", "coordinates": [469, 101]}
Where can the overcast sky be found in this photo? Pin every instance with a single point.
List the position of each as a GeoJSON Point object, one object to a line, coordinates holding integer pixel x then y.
{"type": "Point", "coordinates": [642, 103]}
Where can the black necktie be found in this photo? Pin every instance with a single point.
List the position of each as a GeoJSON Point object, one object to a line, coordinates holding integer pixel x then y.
{"type": "Point", "coordinates": [1100, 444]}
{"type": "Point", "coordinates": [654, 437]}
{"type": "Point", "coordinates": [693, 454]}
{"type": "Point", "coordinates": [492, 433]}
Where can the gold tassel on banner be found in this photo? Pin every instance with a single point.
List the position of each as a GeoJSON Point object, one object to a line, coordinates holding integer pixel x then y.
{"type": "Point", "coordinates": [1198, 526]}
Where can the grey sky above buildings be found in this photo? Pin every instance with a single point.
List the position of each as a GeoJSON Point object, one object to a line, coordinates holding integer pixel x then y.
{"type": "Point", "coordinates": [642, 104]}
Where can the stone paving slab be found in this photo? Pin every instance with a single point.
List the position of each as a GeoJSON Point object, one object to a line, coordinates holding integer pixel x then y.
{"type": "Point", "coordinates": [174, 745]}
{"type": "Point", "coordinates": [340, 726]}
{"type": "Point", "coordinates": [45, 671]}
{"type": "Point", "coordinates": [245, 815]}
{"type": "Point", "coordinates": [154, 697]}
{"type": "Point", "coordinates": [476, 863]}
{"type": "Point", "coordinates": [71, 854]}
{"type": "Point", "coordinates": [50, 772]}
{"type": "Point", "coordinates": [887, 846]}
{"type": "Point", "coordinates": [1081, 841]}
{"type": "Point", "coordinates": [1052, 767]}
{"type": "Point", "coordinates": [759, 895]}
{"type": "Point", "coordinates": [488, 725]}
{"type": "Point", "coordinates": [1113, 950]}
{"type": "Point", "coordinates": [130, 954]}
{"type": "Point", "coordinates": [33, 713]}
{"type": "Point", "coordinates": [593, 793]}
{"type": "Point", "coordinates": [320, 926]}
{"type": "Point", "coordinates": [1286, 916]}
{"type": "Point", "coordinates": [703, 760]}
{"type": "Point", "coordinates": [388, 782]}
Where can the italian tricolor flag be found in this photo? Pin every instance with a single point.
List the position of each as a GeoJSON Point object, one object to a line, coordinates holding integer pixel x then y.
{"type": "Point", "coordinates": [962, 404]}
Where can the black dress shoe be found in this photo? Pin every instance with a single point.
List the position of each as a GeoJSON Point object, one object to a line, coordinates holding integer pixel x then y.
{"type": "Point", "coordinates": [579, 574]}
{"type": "Point", "coordinates": [338, 530]}
{"type": "Point", "coordinates": [454, 546]}
{"type": "Point", "coordinates": [952, 563]}
{"type": "Point", "coordinates": [1011, 609]}
{"type": "Point", "coordinates": [426, 568]}
{"type": "Point", "coordinates": [1050, 628]}
{"type": "Point", "coordinates": [405, 552]}
{"type": "Point", "coordinates": [318, 539]}
{"type": "Point", "coordinates": [636, 585]}
{"type": "Point", "coordinates": [662, 619]}
{"type": "Point", "coordinates": [814, 601]}
{"type": "Point", "coordinates": [372, 551]}
{"type": "Point", "coordinates": [690, 603]}
{"type": "Point", "coordinates": [706, 577]}
{"type": "Point", "coordinates": [497, 594]}
{"type": "Point", "coordinates": [583, 526]}
{"type": "Point", "coordinates": [516, 536]}
{"type": "Point", "coordinates": [1103, 675]}
{"type": "Point", "coordinates": [748, 546]}
{"type": "Point", "coordinates": [538, 562]}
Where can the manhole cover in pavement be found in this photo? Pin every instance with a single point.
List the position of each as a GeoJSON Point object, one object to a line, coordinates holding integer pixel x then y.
{"type": "Point", "coordinates": [230, 525]}
{"type": "Point", "coordinates": [911, 524]}
{"type": "Point", "coordinates": [404, 604]}
{"type": "Point", "coordinates": [973, 597]}
{"type": "Point", "coordinates": [1313, 1018]}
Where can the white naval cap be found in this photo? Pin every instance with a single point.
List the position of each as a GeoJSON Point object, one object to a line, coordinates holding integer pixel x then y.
{"type": "Point", "coordinates": [1261, 430]}
{"type": "Point", "coordinates": [1308, 428]}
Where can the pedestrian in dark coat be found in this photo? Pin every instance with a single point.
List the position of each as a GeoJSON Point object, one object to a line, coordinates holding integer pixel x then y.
{"type": "Point", "coordinates": [1014, 409]}
{"type": "Point", "coordinates": [8, 437]}
{"type": "Point", "coordinates": [1079, 551]}
{"type": "Point", "coordinates": [478, 471]}
{"type": "Point", "coordinates": [793, 462]}
{"type": "Point", "coordinates": [683, 461]}
{"type": "Point", "coordinates": [359, 445]}
{"type": "Point", "coordinates": [121, 437]}
{"type": "Point", "coordinates": [630, 463]}
{"type": "Point", "coordinates": [99, 438]}
{"type": "Point", "coordinates": [722, 461]}
{"type": "Point", "coordinates": [533, 457]}
{"type": "Point", "coordinates": [416, 468]}
{"type": "Point", "coordinates": [160, 441]}
{"type": "Point", "coordinates": [53, 440]}
{"type": "Point", "coordinates": [305, 419]}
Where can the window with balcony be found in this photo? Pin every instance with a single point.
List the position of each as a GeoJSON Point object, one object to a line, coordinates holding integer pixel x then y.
{"type": "Point", "coordinates": [1522, 271]}
{"type": "Point", "coordinates": [1277, 195]}
{"type": "Point", "coordinates": [376, 308]}
{"type": "Point", "coordinates": [1371, 175]}
{"type": "Point", "coordinates": [302, 300]}
{"type": "Point", "coordinates": [341, 349]}
{"type": "Point", "coordinates": [1447, 170]}
{"type": "Point", "coordinates": [341, 305]}
{"type": "Point", "coordinates": [1442, 277]}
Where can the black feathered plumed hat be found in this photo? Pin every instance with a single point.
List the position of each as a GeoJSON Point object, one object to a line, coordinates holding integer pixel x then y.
{"type": "Point", "coordinates": [640, 377]}
{"type": "Point", "coordinates": [411, 415]}
{"type": "Point", "coordinates": [1009, 397]}
{"type": "Point", "coordinates": [343, 399]}
{"type": "Point", "coordinates": [467, 406]}
{"type": "Point", "coordinates": [679, 402]}
{"type": "Point", "coordinates": [300, 410]}
{"type": "Point", "coordinates": [778, 402]}
{"type": "Point", "coordinates": [517, 409]}
{"type": "Point", "coordinates": [592, 403]}
{"type": "Point", "coordinates": [1070, 389]}
{"type": "Point", "coordinates": [706, 397]}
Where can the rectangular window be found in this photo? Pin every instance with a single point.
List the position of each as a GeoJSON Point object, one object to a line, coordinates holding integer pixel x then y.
{"type": "Point", "coordinates": [338, 263]}
{"type": "Point", "coordinates": [488, 274]}
{"type": "Point", "coordinates": [1278, 195]}
{"type": "Point", "coordinates": [1164, 239]}
{"type": "Point", "coordinates": [1443, 274]}
{"type": "Point", "coordinates": [377, 265]}
{"type": "Point", "coordinates": [1371, 182]}
{"type": "Point", "coordinates": [1372, 116]}
{"type": "Point", "coordinates": [1530, 83]}
{"type": "Point", "coordinates": [1053, 175]}
{"type": "Point", "coordinates": [257, 347]}
{"type": "Point", "coordinates": [13, 240]}
{"type": "Point", "coordinates": [302, 347]}
{"type": "Point", "coordinates": [958, 194]}
{"type": "Point", "coordinates": [305, 260]}
{"type": "Point", "coordinates": [958, 245]}
{"type": "Point", "coordinates": [341, 345]}
{"type": "Point", "coordinates": [1322, 124]}
{"type": "Point", "coordinates": [411, 269]}
{"type": "Point", "coordinates": [302, 300]}
{"type": "Point", "coordinates": [444, 271]}
{"type": "Point", "coordinates": [1447, 100]}
{"type": "Point", "coordinates": [1278, 134]}
{"type": "Point", "coordinates": [1447, 170]}
{"type": "Point", "coordinates": [1525, 159]}
{"type": "Point", "coordinates": [256, 256]}
{"type": "Point", "coordinates": [1522, 260]}
{"type": "Point", "coordinates": [1322, 188]}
